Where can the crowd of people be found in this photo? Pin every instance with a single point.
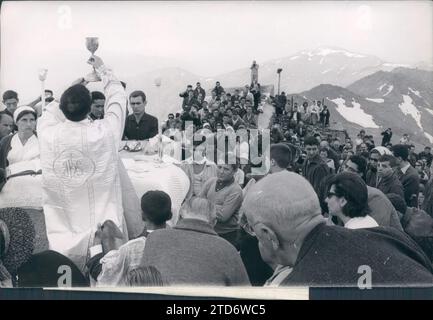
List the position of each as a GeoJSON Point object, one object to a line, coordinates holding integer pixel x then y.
{"type": "Point", "coordinates": [311, 211]}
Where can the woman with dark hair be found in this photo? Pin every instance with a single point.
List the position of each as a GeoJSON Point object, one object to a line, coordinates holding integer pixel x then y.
{"type": "Point", "coordinates": [19, 147]}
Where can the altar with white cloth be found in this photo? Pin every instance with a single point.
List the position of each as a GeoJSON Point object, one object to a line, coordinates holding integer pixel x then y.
{"type": "Point", "coordinates": [148, 172]}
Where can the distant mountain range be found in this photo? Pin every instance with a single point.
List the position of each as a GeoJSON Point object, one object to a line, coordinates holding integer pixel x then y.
{"type": "Point", "coordinates": [401, 99]}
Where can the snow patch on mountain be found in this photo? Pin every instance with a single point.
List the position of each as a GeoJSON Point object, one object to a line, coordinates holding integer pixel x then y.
{"type": "Point", "coordinates": [381, 87]}
{"type": "Point", "coordinates": [395, 65]}
{"type": "Point", "coordinates": [321, 60]}
{"type": "Point", "coordinates": [354, 114]}
{"type": "Point", "coordinates": [379, 100]}
{"type": "Point", "coordinates": [428, 110]}
{"type": "Point", "coordinates": [327, 51]}
{"type": "Point", "coordinates": [390, 87]}
{"type": "Point", "coordinates": [326, 71]}
{"type": "Point", "coordinates": [429, 136]}
{"type": "Point", "coordinates": [415, 92]}
{"type": "Point", "coordinates": [294, 57]}
{"type": "Point", "coordinates": [409, 109]}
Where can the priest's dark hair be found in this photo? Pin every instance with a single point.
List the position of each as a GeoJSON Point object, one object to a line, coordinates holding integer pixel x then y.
{"type": "Point", "coordinates": [75, 102]}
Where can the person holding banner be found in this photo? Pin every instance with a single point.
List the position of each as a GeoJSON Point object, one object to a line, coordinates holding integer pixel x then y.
{"type": "Point", "coordinates": [81, 179]}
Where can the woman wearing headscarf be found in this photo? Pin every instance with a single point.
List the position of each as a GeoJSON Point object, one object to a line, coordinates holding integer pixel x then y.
{"type": "Point", "coordinates": [21, 146]}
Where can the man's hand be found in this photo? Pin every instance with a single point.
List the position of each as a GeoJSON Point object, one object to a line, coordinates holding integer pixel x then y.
{"type": "Point", "coordinates": [95, 61]}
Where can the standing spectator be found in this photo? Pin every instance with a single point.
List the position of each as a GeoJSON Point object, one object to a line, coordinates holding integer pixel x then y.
{"type": "Point", "coordinates": [10, 100]}
{"type": "Point", "coordinates": [6, 125]}
{"type": "Point", "coordinates": [218, 89]}
{"type": "Point", "coordinates": [199, 90]}
{"type": "Point", "coordinates": [381, 208]}
{"type": "Point", "coordinates": [427, 154]}
{"type": "Point", "coordinates": [405, 139]}
{"type": "Point", "coordinates": [140, 125]}
{"type": "Point", "coordinates": [423, 174]}
{"type": "Point", "coordinates": [189, 101]}
{"type": "Point", "coordinates": [315, 169]}
{"type": "Point", "coordinates": [407, 174]}
{"type": "Point", "coordinates": [295, 116]}
{"type": "Point", "coordinates": [280, 157]}
{"type": "Point", "coordinates": [388, 181]}
{"type": "Point", "coordinates": [330, 163]}
{"type": "Point", "coordinates": [97, 107]}
{"type": "Point", "coordinates": [324, 116]}
{"type": "Point", "coordinates": [387, 135]}
{"type": "Point", "coordinates": [254, 72]}
{"type": "Point", "coordinates": [371, 175]}
{"type": "Point", "coordinates": [226, 195]}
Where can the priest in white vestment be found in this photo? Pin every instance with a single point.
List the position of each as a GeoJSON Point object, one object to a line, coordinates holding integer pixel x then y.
{"type": "Point", "coordinates": [79, 159]}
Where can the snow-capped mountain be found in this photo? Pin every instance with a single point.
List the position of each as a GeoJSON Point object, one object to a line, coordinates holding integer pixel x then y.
{"type": "Point", "coordinates": [401, 99]}
{"type": "Point", "coordinates": [307, 69]}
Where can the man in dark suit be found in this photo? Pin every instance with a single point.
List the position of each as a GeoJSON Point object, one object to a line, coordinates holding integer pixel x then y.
{"type": "Point", "coordinates": [407, 174]}
{"type": "Point", "coordinates": [139, 125]}
{"type": "Point", "coordinates": [198, 90]}
{"type": "Point", "coordinates": [295, 116]}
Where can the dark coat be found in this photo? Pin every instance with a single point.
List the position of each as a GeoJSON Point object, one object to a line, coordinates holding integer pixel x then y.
{"type": "Point", "coordinates": [410, 182]}
{"type": "Point", "coordinates": [315, 170]}
{"type": "Point", "coordinates": [371, 178]}
{"type": "Point", "coordinates": [331, 256]}
{"type": "Point", "coordinates": [199, 90]}
{"type": "Point", "coordinates": [391, 184]}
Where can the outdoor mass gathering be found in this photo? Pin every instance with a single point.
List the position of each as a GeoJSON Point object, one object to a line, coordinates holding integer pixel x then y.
{"type": "Point", "coordinates": [256, 178]}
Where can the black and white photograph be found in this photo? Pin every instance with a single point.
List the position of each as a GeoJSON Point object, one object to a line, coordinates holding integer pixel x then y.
{"type": "Point", "coordinates": [227, 149]}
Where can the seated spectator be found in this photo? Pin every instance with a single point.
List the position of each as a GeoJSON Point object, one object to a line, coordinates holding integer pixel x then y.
{"type": "Point", "coordinates": [110, 260]}
{"type": "Point", "coordinates": [199, 171]}
{"type": "Point", "coordinates": [294, 238]}
{"type": "Point", "coordinates": [347, 199]}
{"type": "Point", "coordinates": [250, 119]}
{"type": "Point", "coordinates": [388, 181]}
{"type": "Point", "coordinates": [140, 125]}
{"type": "Point", "coordinates": [192, 253]}
{"type": "Point", "coordinates": [18, 266]}
{"type": "Point", "coordinates": [236, 120]}
{"type": "Point", "coordinates": [226, 195]}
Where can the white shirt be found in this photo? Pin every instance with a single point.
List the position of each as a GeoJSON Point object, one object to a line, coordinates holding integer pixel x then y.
{"type": "Point", "coordinates": [20, 152]}
{"type": "Point", "coordinates": [361, 223]}
{"type": "Point", "coordinates": [404, 169]}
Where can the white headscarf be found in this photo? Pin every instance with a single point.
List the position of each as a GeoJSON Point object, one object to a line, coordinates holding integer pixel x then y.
{"type": "Point", "coordinates": [19, 110]}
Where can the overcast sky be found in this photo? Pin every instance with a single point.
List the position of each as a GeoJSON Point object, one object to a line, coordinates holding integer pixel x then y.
{"type": "Point", "coordinates": [207, 38]}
